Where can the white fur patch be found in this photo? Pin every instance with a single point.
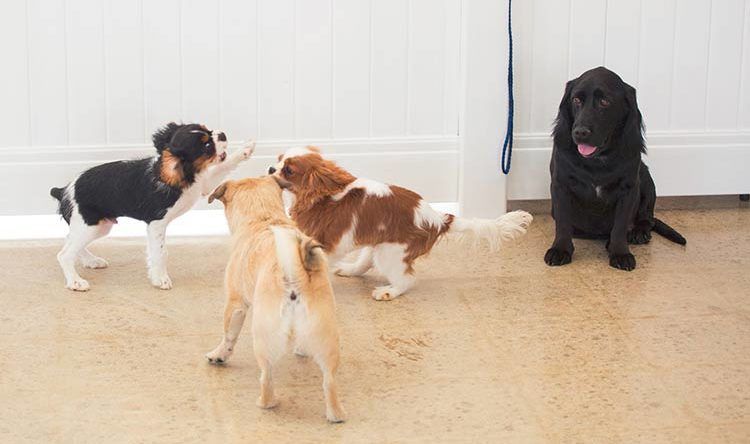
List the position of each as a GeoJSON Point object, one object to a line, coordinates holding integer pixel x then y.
{"type": "Point", "coordinates": [425, 216]}
{"type": "Point", "coordinates": [287, 251]}
{"type": "Point", "coordinates": [371, 187]}
{"type": "Point", "coordinates": [495, 232]}
{"type": "Point", "coordinates": [297, 151]}
{"type": "Point", "coordinates": [346, 244]}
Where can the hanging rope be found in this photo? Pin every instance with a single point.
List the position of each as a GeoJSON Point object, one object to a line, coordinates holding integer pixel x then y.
{"type": "Point", "coordinates": [508, 143]}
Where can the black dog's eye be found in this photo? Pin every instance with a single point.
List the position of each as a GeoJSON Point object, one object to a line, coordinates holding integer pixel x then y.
{"type": "Point", "coordinates": [604, 103]}
{"type": "Point", "coordinates": [576, 101]}
{"type": "Point", "coordinates": [207, 147]}
{"type": "Point", "coordinates": [286, 171]}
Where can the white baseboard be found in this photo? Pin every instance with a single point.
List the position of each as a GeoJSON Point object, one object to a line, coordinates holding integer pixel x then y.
{"type": "Point", "coordinates": [427, 165]}
{"type": "Point", "coordinates": [682, 164]}
{"type": "Point", "coordinates": [192, 223]}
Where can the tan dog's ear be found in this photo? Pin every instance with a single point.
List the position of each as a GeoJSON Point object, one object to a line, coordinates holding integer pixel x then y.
{"type": "Point", "coordinates": [283, 183]}
{"type": "Point", "coordinates": [313, 257]}
{"type": "Point", "coordinates": [218, 193]}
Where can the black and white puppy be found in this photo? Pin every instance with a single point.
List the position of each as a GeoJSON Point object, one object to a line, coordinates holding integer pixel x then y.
{"type": "Point", "coordinates": [191, 161]}
{"type": "Point", "coordinates": [600, 186]}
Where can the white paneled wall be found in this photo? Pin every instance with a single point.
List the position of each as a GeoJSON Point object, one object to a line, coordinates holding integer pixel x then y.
{"type": "Point", "coordinates": [688, 60]}
{"type": "Point", "coordinates": [376, 82]}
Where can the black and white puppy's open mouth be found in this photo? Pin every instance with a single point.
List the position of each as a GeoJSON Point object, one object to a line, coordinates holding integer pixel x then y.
{"type": "Point", "coordinates": [220, 141]}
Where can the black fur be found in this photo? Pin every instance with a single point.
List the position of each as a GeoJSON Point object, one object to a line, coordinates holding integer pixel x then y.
{"type": "Point", "coordinates": [65, 207]}
{"type": "Point", "coordinates": [600, 110]}
{"type": "Point", "coordinates": [135, 188]}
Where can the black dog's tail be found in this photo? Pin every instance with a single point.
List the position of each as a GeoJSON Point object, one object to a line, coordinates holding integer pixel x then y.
{"type": "Point", "coordinates": [668, 232]}
{"type": "Point", "coordinates": [57, 193]}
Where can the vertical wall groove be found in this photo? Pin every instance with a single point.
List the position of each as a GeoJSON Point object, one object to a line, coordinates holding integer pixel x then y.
{"type": "Point", "coordinates": [67, 73]}
{"type": "Point", "coordinates": [146, 129]}
{"type": "Point", "coordinates": [407, 106]}
{"type": "Point", "coordinates": [332, 15]}
{"type": "Point", "coordinates": [670, 116]}
{"type": "Point", "coordinates": [29, 84]}
{"type": "Point", "coordinates": [219, 52]}
{"type": "Point", "coordinates": [743, 63]}
{"type": "Point", "coordinates": [180, 52]}
{"type": "Point", "coordinates": [294, 65]}
{"type": "Point", "coordinates": [257, 64]}
{"type": "Point", "coordinates": [708, 61]}
{"type": "Point", "coordinates": [369, 69]}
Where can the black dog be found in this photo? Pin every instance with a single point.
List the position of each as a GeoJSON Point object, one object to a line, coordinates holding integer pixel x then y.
{"type": "Point", "coordinates": [600, 187]}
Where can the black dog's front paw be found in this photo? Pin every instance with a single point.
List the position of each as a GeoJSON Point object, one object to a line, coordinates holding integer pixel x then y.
{"type": "Point", "coordinates": [555, 257]}
{"type": "Point", "coordinates": [622, 261]}
{"type": "Point", "coordinates": [639, 236]}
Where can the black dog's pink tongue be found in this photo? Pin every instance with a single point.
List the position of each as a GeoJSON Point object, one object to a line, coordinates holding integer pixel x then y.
{"type": "Point", "coordinates": [586, 150]}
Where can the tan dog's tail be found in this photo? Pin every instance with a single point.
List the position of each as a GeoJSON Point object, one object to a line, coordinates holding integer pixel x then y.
{"type": "Point", "coordinates": [299, 256]}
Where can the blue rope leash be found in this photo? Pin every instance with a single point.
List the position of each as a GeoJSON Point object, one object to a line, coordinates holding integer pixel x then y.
{"type": "Point", "coordinates": [508, 143]}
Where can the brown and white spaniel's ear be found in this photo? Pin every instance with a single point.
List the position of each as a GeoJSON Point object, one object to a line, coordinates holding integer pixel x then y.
{"type": "Point", "coordinates": [219, 193]}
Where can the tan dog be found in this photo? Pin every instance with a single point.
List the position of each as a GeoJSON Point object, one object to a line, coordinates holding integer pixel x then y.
{"type": "Point", "coordinates": [284, 275]}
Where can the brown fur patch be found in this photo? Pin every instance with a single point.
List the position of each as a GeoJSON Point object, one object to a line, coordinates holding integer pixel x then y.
{"type": "Point", "coordinates": [202, 163]}
{"type": "Point", "coordinates": [378, 219]}
{"type": "Point", "coordinates": [171, 170]}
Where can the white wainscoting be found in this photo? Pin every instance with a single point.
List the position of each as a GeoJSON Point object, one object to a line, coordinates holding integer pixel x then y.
{"type": "Point", "coordinates": [688, 60]}
{"type": "Point", "coordinates": [375, 82]}
{"type": "Point", "coordinates": [424, 163]}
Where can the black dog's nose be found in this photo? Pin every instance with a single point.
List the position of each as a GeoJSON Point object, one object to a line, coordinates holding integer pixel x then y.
{"type": "Point", "coordinates": [581, 133]}
{"type": "Point", "coordinates": [271, 170]}
{"type": "Point", "coordinates": [222, 137]}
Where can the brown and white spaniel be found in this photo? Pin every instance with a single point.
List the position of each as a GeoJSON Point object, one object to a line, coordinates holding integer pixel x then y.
{"type": "Point", "coordinates": [390, 225]}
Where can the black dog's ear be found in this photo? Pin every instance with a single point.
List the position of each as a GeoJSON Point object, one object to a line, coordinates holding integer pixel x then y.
{"type": "Point", "coordinates": [563, 111]}
{"type": "Point", "coordinates": [564, 119]}
{"type": "Point", "coordinates": [164, 135]}
{"type": "Point", "coordinates": [633, 127]}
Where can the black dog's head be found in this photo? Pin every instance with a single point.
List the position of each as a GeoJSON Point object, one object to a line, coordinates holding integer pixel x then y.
{"type": "Point", "coordinates": [599, 116]}
{"type": "Point", "coordinates": [186, 150]}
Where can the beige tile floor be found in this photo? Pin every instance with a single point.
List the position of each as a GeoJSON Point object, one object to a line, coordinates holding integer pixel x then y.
{"type": "Point", "coordinates": [487, 348]}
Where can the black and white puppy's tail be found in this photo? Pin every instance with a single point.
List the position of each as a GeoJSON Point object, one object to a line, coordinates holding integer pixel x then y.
{"type": "Point", "coordinates": [670, 233]}
{"type": "Point", "coordinates": [65, 207]}
{"type": "Point", "coordinates": [495, 232]}
{"type": "Point", "coordinates": [57, 193]}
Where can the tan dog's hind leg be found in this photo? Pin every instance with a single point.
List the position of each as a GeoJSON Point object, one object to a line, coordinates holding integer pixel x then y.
{"type": "Point", "coordinates": [323, 345]}
{"type": "Point", "coordinates": [266, 400]}
{"type": "Point", "coordinates": [329, 365]}
{"type": "Point", "coordinates": [234, 318]}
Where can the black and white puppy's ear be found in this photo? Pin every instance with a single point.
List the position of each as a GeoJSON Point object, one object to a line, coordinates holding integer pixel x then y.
{"type": "Point", "coordinates": [164, 135]}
